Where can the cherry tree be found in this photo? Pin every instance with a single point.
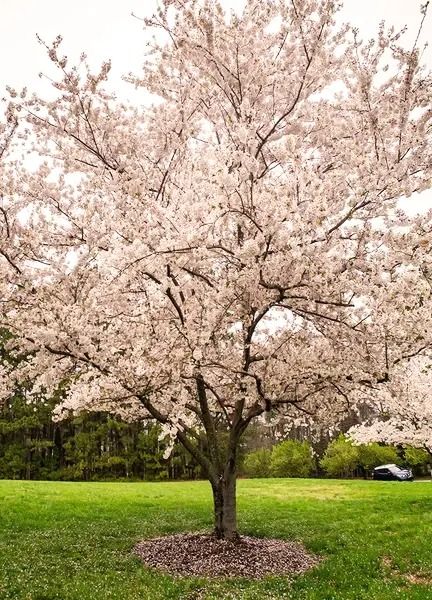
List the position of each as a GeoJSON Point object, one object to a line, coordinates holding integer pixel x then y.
{"type": "Point", "coordinates": [403, 414]}
{"type": "Point", "coordinates": [234, 250]}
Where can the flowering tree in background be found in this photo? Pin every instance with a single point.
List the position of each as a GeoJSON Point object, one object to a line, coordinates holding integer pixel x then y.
{"type": "Point", "coordinates": [403, 410]}
{"type": "Point", "coordinates": [234, 250]}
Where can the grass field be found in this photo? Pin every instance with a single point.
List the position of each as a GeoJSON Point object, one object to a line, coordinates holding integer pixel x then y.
{"type": "Point", "coordinates": [72, 541]}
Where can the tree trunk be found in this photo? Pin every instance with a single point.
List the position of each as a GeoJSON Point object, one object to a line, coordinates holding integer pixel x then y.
{"type": "Point", "coordinates": [225, 509]}
{"type": "Point", "coordinates": [218, 463]}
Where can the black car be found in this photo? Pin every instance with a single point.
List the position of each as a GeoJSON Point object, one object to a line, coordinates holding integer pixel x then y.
{"type": "Point", "coordinates": [392, 473]}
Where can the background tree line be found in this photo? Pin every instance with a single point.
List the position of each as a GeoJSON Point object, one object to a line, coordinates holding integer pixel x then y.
{"type": "Point", "coordinates": [95, 446]}
{"type": "Point", "coordinates": [341, 458]}
{"type": "Point", "coordinates": [87, 447]}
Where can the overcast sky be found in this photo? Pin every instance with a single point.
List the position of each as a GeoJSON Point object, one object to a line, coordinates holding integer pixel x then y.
{"type": "Point", "coordinates": [105, 29]}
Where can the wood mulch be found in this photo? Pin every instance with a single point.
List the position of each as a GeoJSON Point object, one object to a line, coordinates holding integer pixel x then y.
{"type": "Point", "coordinates": [203, 555]}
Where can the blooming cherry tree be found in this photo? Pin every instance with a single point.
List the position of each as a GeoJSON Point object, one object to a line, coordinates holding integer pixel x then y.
{"type": "Point", "coordinates": [403, 413]}
{"type": "Point", "coordinates": [234, 250]}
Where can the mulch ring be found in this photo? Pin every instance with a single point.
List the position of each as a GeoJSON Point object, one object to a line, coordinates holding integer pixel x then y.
{"type": "Point", "coordinates": [203, 555]}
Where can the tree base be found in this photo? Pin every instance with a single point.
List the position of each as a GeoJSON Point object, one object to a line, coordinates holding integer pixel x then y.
{"type": "Point", "coordinates": [232, 537]}
{"type": "Point", "coordinates": [203, 555]}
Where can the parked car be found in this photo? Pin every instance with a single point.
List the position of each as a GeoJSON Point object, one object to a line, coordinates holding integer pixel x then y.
{"type": "Point", "coordinates": [392, 473]}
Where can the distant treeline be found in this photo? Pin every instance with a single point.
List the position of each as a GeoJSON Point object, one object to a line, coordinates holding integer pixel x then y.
{"type": "Point", "coordinates": [87, 447]}
{"type": "Point", "coordinates": [342, 458]}
{"type": "Point", "coordinates": [97, 446]}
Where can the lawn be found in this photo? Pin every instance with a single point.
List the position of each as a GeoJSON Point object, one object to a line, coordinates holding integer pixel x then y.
{"type": "Point", "coordinates": [73, 541]}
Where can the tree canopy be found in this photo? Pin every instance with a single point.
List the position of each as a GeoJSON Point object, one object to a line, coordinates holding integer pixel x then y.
{"type": "Point", "coordinates": [237, 248]}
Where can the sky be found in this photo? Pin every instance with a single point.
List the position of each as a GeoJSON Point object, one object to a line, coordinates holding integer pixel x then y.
{"type": "Point", "coordinates": [106, 29]}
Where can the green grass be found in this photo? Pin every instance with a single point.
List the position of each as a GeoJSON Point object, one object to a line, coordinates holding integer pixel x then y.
{"type": "Point", "coordinates": [73, 541]}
